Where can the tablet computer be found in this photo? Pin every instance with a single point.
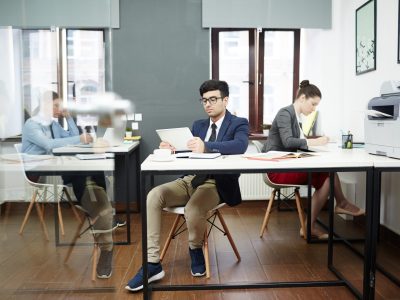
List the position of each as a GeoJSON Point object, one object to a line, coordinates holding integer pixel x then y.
{"type": "Point", "coordinates": [177, 137]}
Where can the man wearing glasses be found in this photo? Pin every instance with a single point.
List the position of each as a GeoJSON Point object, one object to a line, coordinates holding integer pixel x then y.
{"type": "Point", "coordinates": [222, 132]}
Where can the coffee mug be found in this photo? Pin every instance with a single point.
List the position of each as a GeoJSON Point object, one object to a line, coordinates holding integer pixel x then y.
{"type": "Point", "coordinates": [162, 153]}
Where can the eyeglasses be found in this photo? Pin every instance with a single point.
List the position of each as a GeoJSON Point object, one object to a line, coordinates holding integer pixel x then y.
{"type": "Point", "coordinates": [212, 100]}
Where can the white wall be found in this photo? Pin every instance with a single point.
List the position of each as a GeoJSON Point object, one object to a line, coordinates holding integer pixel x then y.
{"type": "Point", "coordinates": [328, 60]}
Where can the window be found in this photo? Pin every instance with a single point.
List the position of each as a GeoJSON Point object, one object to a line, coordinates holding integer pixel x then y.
{"type": "Point", "coordinates": [261, 68]}
{"type": "Point", "coordinates": [63, 61]}
{"type": "Point", "coordinates": [39, 67]}
{"type": "Point", "coordinates": [85, 69]}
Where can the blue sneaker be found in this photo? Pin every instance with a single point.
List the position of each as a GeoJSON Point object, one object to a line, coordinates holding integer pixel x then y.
{"type": "Point", "coordinates": [155, 272]}
{"type": "Point", "coordinates": [198, 266]}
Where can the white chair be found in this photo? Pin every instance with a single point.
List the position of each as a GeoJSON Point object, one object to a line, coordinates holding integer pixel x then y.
{"type": "Point", "coordinates": [276, 188]}
{"type": "Point", "coordinates": [176, 230]}
{"type": "Point", "coordinates": [42, 193]}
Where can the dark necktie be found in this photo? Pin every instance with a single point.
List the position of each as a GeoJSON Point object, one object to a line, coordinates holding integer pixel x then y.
{"type": "Point", "coordinates": [200, 179]}
{"type": "Point", "coordinates": [213, 135]}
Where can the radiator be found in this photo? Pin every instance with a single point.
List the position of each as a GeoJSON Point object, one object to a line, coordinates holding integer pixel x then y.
{"type": "Point", "coordinates": [252, 187]}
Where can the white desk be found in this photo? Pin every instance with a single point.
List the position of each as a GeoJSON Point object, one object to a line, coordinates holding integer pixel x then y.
{"type": "Point", "coordinates": [237, 164]}
{"type": "Point", "coordinates": [125, 166]}
{"type": "Point", "coordinates": [126, 171]}
{"type": "Point", "coordinates": [11, 163]}
{"type": "Point", "coordinates": [337, 161]}
{"type": "Point", "coordinates": [123, 148]}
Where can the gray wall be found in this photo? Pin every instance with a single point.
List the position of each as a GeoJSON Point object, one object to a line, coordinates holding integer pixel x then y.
{"type": "Point", "coordinates": [160, 58]}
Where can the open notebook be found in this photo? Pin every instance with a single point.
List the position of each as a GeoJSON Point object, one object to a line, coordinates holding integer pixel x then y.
{"type": "Point", "coordinates": [277, 155]}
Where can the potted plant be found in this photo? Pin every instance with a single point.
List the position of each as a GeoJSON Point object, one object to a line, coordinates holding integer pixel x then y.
{"type": "Point", "coordinates": [128, 132]}
{"type": "Point", "coordinates": [266, 128]}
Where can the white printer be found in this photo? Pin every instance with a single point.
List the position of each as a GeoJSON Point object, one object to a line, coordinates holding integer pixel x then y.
{"type": "Point", "coordinates": [382, 122]}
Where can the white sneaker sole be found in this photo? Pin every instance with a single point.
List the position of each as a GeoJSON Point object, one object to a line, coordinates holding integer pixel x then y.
{"type": "Point", "coordinates": [104, 276]}
{"type": "Point", "coordinates": [197, 274]}
{"type": "Point", "coordinates": [151, 279]}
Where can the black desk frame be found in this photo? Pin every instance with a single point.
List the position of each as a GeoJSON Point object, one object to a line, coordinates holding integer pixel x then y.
{"type": "Point", "coordinates": [369, 276]}
{"type": "Point", "coordinates": [375, 225]}
{"type": "Point", "coordinates": [126, 160]}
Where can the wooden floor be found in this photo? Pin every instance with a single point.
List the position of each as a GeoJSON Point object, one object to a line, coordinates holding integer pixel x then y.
{"type": "Point", "coordinates": [32, 268]}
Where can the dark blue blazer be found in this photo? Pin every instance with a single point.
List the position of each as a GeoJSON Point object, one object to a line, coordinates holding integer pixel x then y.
{"type": "Point", "coordinates": [233, 138]}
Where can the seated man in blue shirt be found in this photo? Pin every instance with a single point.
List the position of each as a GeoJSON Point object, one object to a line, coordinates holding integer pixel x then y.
{"type": "Point", "coordinates": [222, 133]}
{"type": "Point", "coordinates": [40, 135]}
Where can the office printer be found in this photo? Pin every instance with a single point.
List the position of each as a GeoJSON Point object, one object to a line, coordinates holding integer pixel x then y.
{"type": "Point", "coordinates": [382, 122]}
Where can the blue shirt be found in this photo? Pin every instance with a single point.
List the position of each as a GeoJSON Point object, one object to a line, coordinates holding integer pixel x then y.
{"type": "Point", "coordinates": [37, 139]}
{"type": "Point", "coordinates": [60, 132]}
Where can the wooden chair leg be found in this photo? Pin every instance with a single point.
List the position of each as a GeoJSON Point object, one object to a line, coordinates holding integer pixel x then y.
{"type": "Point", "coordinates": [44, 198]}
{"type": "Point", "coordinates": [60, 218]}
{"type": "Point", "coordinates": [206, 254]}
{"type": "Point", "coordinates": [267, 213]}
{"type": "Point", "coordinates": [95, 252]}
{"type": "Point", "coordinates": [39, 212]}
{"type": "Point", "coordinates": [228, 234]}
{"type": "Point", "coordinates": [76, 236]}
{"type": "Point", "coordinates": [28, 212]}
{"type": "Point", "coordinates": [300, 212]}
{"type": "Point", "coordinates": [77, 216]}
{"type": "Point", "coordinates": [170, 235]}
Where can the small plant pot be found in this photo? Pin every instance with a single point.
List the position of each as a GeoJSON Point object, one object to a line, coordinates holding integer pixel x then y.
{"type": "Point", "coordinates": [128, 134]}
{"type": "Point", "coordinates": [266, 132]}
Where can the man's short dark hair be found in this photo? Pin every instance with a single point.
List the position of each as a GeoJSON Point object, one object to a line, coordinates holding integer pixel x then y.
{"type": "Point", "coordinates": [214, 85]}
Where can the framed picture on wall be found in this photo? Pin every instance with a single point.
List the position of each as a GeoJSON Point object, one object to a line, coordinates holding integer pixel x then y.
{"type": "Point", "coordinates": [366, 37]}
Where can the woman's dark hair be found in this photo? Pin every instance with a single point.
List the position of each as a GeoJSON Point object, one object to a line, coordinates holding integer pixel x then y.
{"type": "Point", "coordinates": [309, 90]}
{"type": "Point", "coordinates": [214, 85]}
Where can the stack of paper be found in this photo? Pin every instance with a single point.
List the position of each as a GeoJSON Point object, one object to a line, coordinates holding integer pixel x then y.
{"type": "Point", "coordinates": [92, 156]}
{"type": "Point", "coordinates": [377, 114]}
{"type": "Point", "coordinates": [197, 155]}
{"type": "Point", "coordinates": [204, 155]}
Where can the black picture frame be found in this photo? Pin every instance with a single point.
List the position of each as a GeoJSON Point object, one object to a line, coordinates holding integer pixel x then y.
{"type": "Point", "coordinates": [366, 37]}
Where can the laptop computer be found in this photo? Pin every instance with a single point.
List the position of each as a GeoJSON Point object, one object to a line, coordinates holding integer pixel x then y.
{"type": "Point", "coordinates": [112, 136]}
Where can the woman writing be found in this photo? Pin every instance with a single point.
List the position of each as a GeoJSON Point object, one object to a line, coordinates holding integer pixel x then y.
{"type": "Point", "coordinates": [286, 135]}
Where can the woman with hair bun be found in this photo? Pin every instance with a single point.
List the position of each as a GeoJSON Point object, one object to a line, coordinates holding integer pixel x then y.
{"type": "Point", "coordinates": [286, 135]}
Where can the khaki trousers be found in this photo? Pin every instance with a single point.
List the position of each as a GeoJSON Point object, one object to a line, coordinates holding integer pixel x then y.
{"type": "Point", "coordinates": [197, 203]}
{"type": "Point", "coordinates": [95, 202]}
